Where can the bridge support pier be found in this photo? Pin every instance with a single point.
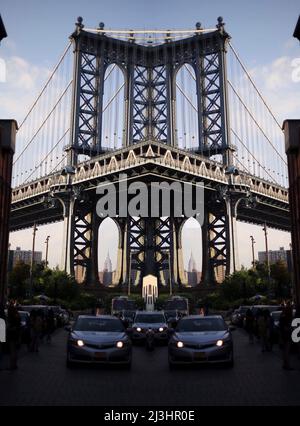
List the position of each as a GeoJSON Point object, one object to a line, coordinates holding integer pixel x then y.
{"type": "Point", "coordinates": [219, 237]}
{"type": "Point", "coordinates": [80, 235]}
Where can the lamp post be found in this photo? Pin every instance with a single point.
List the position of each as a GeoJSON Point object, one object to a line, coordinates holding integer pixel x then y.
{"type": "Point", "coordinates": [32, 258]}
{"type": "Point", "coordinates": [253, 256]}
{"type": "Point", "coordinates": [129, 273]}
{"type": "Point", "coordinates": [265, 229]}
{"type": "Point", "coordinates": [47, 248]}
{"type": "Point", "coordinates": [170, 274]}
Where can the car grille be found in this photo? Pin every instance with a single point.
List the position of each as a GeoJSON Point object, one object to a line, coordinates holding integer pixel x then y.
{"type": "Point", "coordinates": [100, 345]}
{"type": "Point", "coordinates": [199, 345]}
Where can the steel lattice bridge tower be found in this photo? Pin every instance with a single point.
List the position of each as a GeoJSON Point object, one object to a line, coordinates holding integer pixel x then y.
{"type": "Point", "coordinates": [150, 148]}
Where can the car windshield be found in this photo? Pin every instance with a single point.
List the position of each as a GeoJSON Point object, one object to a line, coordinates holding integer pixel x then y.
{"type": "Point", "coordinates": [23, 316]}
{"type": "Point", "coordinates": [98, 324]}
{"type": "Point", "coordinates": [176, 304]}
{"type": "Point", "coordinates": [243, 309]}
{"type": "Point", "coordinates": [273, 308]}
{"type": "Point", "coordinates": [129, 314]}
{"type": "Point", "coordinates": [150, 318]}
{"type": "Point", "coordinates": [201, 324]}
{"type": "Point", "coordinates": [276, 315]}
{"type": "Point", "coordinates": [170, 314]}
{"type": "Point", "coordinates": [119, 304]}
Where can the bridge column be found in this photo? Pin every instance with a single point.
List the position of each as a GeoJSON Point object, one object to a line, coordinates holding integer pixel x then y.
{"type": "Point", "coordinates": [216, 255]}
{"type": "Point", "coordinates": [219, 234]}
{"type": "Point", "coordinates": [180, 263]}
{"type": "Point", "coordinates": [88, 236]}
{"type": "Point", "coordinates": [67, 201]}
{"type": "Point", "coordinates": [231, 210]}
{"type": "Point", "coordinates": [121, 269]}
{"type": "Point", "coordinates": [80, 234]}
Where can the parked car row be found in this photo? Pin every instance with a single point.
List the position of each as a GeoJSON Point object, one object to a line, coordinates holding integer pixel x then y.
{"type": "Point", "coordinates": [238, 316]}
{"type": "Point", "coordinates": [61, 316]}
{"type": "Point", "coordinates": [105, 339]}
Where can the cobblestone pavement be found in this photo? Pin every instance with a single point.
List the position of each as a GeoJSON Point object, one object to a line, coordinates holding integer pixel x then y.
{"type": "Point", "coordinates": [256, 379]}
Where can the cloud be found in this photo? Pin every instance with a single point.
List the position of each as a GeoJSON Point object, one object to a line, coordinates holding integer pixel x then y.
{"type": "Point", "coordinates": [22, 85]}
{"type": "Point", "coordinates": [276, 83]}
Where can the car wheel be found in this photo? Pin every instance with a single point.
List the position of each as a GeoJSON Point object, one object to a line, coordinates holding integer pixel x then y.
{"type": "Point", "coordinates": [172, 366]}
{"type": "Point", "coordinates": [127, 366]}
{"type": "Point", "coordinates": [230, 363]}
{"type": "Point", "coordinates": [70, 364]}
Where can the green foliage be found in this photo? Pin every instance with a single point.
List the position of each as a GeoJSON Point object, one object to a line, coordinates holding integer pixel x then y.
{"type": "Point", "coordinates": [18, 280]}
{"type": "Point", "coordinates": [241, 287]}
{"type": "Point", "coordinates": [161, 300]}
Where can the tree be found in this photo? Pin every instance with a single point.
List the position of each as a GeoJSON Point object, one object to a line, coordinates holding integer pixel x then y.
{"type": "Point", "coordinates": [240, 284]}
{"type": "Point", "coordinates": [281, 279]}
{"type": "Point", "coordinates": [18, 280]}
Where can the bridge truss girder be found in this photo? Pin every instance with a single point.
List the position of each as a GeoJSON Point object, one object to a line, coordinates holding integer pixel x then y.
{"type": "Point", "coordinates": [150, 90]}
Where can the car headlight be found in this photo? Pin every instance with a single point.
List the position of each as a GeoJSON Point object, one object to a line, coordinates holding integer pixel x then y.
{"type": "Point", "coordinates": [161, 329]}
{"type": "Point", "coordinates": [80, 343]}
{"type": "Point", "coordinates": [180, 344]}
{"type": "Point", "coordinates": [139, 329]}
{"type": "Point", "coordinates": [219, 343]}
{"type": "Point", "coordinates": [120, 344]}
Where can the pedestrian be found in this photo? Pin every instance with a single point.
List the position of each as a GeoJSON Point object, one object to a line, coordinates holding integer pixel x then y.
{"type": "Point", "coordinates": [202, 311]}
{"type": "Point", "coordinates": [36, 323]}
{"type": "Point", "coordinates": [50, 323]}
{"type": "Point", "coordinates": [2, 317]}
{"type": "Point", "coordinates": [269, 330]}
{"type": "Point", "coordinates": [262, 330]}
{"type": "Point", "coordinates": [13, 335]}
{"type": "Point", "coordinates": [285, 329]}
{"type": "Point", "coordinates": [250, 325]}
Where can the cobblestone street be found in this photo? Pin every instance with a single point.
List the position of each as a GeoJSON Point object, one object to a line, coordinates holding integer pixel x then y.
{"type": "Point", "coordinates": [256, 379]}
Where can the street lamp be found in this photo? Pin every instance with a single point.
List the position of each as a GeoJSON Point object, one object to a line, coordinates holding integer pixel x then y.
{"type": "Point", "coordinates": [253, 256]}
{"type": "Point", "coordinates": [129, 274]}
{"type": "Point", "coordinates": [265, 229]}
{"type": "Point", "coordinates": [32, 258]}
{"type": "Point", "coordinates": [170, 273]}
{"type": "Point", "coordinates": [47, 248]}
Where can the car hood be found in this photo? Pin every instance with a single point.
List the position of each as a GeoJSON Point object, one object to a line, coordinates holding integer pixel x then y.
{"type": "Point", "coordinates": [201, 336]}
{"type": "Point", "coordinates": [155, 325]}
{"type": "Point", "coordinates": [98, 336]}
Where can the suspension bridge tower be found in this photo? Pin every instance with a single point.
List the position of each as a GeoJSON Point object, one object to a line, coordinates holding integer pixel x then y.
{"type": "Point", "coordinates": [127, 108]}
{"type": "Point", "coordinates": [149, 67]}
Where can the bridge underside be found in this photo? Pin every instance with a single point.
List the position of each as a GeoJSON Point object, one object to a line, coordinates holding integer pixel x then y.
{"type": "Point", "coordinates": [150, 244]}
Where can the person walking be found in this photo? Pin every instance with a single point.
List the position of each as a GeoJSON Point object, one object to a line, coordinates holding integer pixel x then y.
{"type": "Point", "coordinates": [50, 325]}
{"type": "Point", "coordinates": [36, 322]}
{"type": "Point", "coordinates": [262, 330]}
{"type": "Point", "coordinates": [250, 325]}
{"type": "Point", "coordinates": [270, 327]}
{"type": "Point", "coordinates": [13, 335]}
{"type": "Point", "coordinates": [2, 317]}
{"type": "Point", "coordinates": [285, 329]}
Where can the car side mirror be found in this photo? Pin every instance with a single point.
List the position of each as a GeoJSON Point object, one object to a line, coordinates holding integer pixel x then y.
{"type": "Point", "coordinates": [68, 328]}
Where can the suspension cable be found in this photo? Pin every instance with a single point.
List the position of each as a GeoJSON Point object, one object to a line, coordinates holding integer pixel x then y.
{"type": "Point", "coordinates": [47, 82]}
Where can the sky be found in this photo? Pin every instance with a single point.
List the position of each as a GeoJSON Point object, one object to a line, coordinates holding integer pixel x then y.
{"type": "Point", "coordinates": [261, 32]}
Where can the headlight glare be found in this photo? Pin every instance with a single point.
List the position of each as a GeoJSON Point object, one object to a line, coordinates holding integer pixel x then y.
{"type": "Point", "coordinates": [120, 344]}
{"type": "Point", "coordinates": [80, 343]}
{"type": "Point", "coordinates": [219, 343]}
{"type": "Point", "coordinates": [180, 344]}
